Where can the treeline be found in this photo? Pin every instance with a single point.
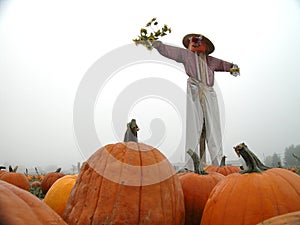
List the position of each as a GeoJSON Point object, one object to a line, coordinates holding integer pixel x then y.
{"type": "Point", "coordinates": [291, 158]}
{"type": "Point", "coordinates": [43, 170]}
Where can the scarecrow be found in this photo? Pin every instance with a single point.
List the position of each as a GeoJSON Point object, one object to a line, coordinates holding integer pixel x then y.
{"type": "Point", "coordinates": [203, 117]}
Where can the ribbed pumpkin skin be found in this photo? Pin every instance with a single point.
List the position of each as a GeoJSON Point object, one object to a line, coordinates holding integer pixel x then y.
{"type": "Point", "coordinates": [17, 179]}
{"type": "Point", "coordinates": [2, 172]}
{"type": "Point", "coordinates": [58, 194]}
{"type": "Point", "coordinates": [126, 183]}
{"type": "Point", "coordinates": [49, 179]}
{"type": "Point", "coordinates": [247, 199]}
{"type": "Point", "coordinates": [20, 207]}
{"type": "Point", "coordinates": [292, 218]}
{"type": "Point", "coordinates": [225, 170]}
{"type": "Point", "coordinates": [196, 189]}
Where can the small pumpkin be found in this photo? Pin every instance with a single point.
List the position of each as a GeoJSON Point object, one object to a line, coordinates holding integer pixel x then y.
{"type": "Point", "coordinates": [22, 208]}
{"type": "Point", "coordinates": [253, 195]}
{"type": "Point", "coordinates": [223, 169]}
{"type": "Point", "coordinates": [35, 189]}
{"type": "Point", "coordinates": [29, 177]}
{"type": "Point", "coordinates": [295, 170]}
{"type": "Point", "coordinates": [35, 184]}
{"type": "Point", "coordinates": [39, 176]}
{"type": "Point", "coordinates": [292, 218]}
{"type": "Point", "coordinates": [59, 192]}
{"type": "Point", "coordinates": [15, 178]}
{"type": "Point", "coordinates": [50, 178]}
{"type": "Point", "coordinates": [126, 183]}
{"type": "Point", "coordinates": [196, 188]}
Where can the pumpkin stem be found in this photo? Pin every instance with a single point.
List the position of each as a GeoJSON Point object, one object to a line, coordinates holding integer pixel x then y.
{"type": "Point", "coordinates": [36, 170]}
{"type": "Point", "coordinates": [252, 162]}
{"type": "Point", "coordinates": [131, 132]}
{"type": "Point", "coordinates": [15, 169]}
{"type": "Point", "coordinates": [12, 170]}
{"type": "Point", "coordinates": [198, 168]}
{"type": "Point", "coordinates": [2, 167]}
{"type": "Point", "coordinates": [58, 170]}
{"type": "Point", "coordinates": [222, 163]}
{"type": "Point", "coordinates": [259, 163]}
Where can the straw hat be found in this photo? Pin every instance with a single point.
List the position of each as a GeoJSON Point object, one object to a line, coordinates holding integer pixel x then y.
{"type": "Point", "coordinates": [209, 44]}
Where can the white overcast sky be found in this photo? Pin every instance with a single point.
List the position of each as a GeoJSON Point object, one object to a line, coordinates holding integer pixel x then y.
{"type": "Point", "coordinates": [46, 47]}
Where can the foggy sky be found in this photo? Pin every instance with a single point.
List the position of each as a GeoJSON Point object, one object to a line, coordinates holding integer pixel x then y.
{"type": "Point", "coordinates": [46, 47]}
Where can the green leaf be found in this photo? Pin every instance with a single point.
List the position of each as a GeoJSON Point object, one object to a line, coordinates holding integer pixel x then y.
{"type": "Point", "coordinates": [136, 42]}
{"type": "Point", "coordinates": [146, 39]}
{"type": "Point", "coordinates": [157, 33]}
{"type": "Point", "coordinates": [143, 31]}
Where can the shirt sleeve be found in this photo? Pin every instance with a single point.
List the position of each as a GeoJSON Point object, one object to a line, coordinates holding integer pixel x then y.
{"type": "Point", "coordinates": [171, 52]}
{"type": "Point", "coordinates": [219, 65]}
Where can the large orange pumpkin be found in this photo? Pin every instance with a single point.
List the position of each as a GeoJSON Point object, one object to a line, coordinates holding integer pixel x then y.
{"type": "Point", "coordinates": [292, 218]}
{"type": "Point", "coordinates": [19, 207]}
{"type": "Point", "coordinates": [223, 169]}
{"type": "Point", "coordinates": [15, 178]}
{"type": "Point", "coordinates": [50, 178]}
{"type": "Point", "coordinates": [253, 195]}
{"type": "Point", "coordinates": [126, 183]}
{"type": "Point", "coordinates": [59, 192]}
{"type": "Point", "coordinates": [196, 188]}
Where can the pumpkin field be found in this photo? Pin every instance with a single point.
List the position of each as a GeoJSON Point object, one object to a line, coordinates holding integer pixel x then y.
{"type": "Point", "coordinates": [134, 183]}
{"type": "Point", "coordinates": [149, 112]}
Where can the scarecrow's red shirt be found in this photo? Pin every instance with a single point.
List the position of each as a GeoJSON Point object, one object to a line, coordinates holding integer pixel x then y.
{"type": "Point", "coordinates": [188, 59]}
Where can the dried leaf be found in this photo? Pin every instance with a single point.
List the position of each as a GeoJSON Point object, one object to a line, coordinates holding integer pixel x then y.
{"type": "Point", "coordinates": [157, 33]}
{"type": "Point", "coordinates": [146, 38]}
{"type": "Point", "coordinates": [143, 31]}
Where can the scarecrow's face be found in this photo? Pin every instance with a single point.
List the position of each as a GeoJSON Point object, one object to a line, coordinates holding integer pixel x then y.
{"type": "Point", "coordinates": [197, 45]}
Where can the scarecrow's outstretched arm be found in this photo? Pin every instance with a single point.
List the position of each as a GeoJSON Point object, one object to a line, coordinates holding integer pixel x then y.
{"type": "Point", "coordinates": [220, 65]}
{"type": "Point", "coordinates": [171, 52]}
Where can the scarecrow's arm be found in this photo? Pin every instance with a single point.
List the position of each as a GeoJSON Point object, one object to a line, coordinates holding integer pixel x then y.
{"type": "Point", "coordinates": [220, 65]}
{"type": "Point", "coordinates": [171, 52]}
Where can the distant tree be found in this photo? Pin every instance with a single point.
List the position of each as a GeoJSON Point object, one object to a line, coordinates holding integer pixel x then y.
{"type": "Point", "coordinates": [296, 157]}
{"type": "Point", "coordinates": [273, 161]}
{"type": "Point", "coordinates": [268, 161]}
{"type": "Point", "coordinates": [289, 159]}
{"type": "Point", "coordinates": [276, 160]}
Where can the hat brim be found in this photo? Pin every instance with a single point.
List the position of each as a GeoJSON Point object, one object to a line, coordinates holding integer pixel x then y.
{"type": "Point", "coordinates": [209, 45]}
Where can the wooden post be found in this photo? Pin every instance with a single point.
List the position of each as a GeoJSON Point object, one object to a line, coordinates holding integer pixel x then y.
{"type": "Point", "coordinates": [78, 167]}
